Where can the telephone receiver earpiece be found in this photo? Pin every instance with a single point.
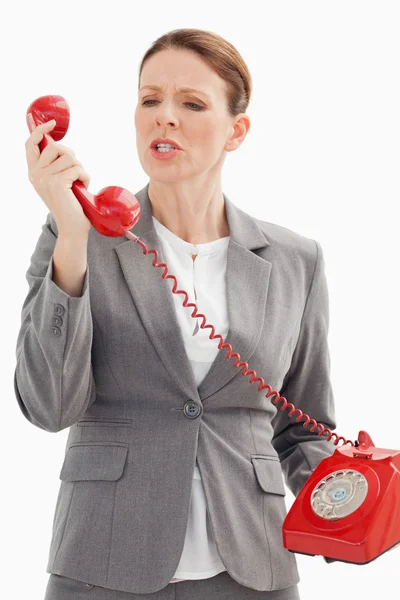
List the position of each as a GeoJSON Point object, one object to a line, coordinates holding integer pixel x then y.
{"type": "Point", "coordinates": [114, 210]}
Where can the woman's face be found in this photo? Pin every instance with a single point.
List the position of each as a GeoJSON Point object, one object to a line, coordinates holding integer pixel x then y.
{"type": "Point", "coordinates": [198, 120]}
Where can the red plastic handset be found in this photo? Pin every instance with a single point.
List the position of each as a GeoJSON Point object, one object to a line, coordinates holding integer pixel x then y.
{"type": "Point", "coordinates": [114, 210]}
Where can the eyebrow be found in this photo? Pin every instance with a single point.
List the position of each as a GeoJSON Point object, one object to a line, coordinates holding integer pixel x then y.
{"type": "Point", "coordinates": [181, 89]}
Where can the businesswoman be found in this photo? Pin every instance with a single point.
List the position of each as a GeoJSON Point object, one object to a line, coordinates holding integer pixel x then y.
{"type": "Point", "coordinates": [172, 484]}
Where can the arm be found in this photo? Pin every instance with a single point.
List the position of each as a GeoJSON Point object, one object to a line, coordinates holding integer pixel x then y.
{"type": "Point", "coordinates": [53, 379]}
{"type": "Point", "coordinates": [307, 385]}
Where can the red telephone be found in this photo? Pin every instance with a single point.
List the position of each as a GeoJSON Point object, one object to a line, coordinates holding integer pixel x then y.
{"type": "Point", "coordinates": [349, 508]}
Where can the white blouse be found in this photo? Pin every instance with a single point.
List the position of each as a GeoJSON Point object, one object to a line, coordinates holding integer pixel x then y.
{"type": "Point", "coordinates": [200, 271]}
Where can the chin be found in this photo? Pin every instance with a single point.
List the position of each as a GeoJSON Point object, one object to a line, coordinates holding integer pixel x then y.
{"type": "Point", "coordinates": [163, 174]}
{"type": "Point", "coordinates": [166, 179]}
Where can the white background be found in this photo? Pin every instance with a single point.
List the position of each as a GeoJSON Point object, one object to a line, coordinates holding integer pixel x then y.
{"type": "Point", "coordinates": [321, 158]}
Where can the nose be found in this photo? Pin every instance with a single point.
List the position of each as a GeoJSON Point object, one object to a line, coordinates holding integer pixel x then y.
{"type": "Point", "coordinates": [165, 117]}
{"type": "Point", "coordinates": [163, 121]}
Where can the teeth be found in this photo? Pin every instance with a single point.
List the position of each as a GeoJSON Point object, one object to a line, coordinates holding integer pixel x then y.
{"type": "Point", "coordinates": [166, 146]}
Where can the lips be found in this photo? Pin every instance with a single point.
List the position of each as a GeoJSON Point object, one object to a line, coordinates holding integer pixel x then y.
{"type": "Point", "coordinates": [165, 141]}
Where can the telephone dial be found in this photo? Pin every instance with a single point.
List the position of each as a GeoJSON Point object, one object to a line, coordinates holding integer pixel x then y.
{"type": "Point", "coordinates": [349, 508]}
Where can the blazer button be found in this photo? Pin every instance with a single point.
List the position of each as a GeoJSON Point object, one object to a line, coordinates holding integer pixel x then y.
{"type": "Point", "coordinates": [59, 310]}
{"type": "Point", "coordinates": [56, 331]}
{"type": "Point", "coordinates": [90, 586]}
{"type": "Point", "coordinates": [57, 321]}
{"type": "Point", "coordinates": [192, 410]}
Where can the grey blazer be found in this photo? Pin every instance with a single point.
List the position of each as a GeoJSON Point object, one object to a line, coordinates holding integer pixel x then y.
{"type": "Point", "coordinates": [111, 365]}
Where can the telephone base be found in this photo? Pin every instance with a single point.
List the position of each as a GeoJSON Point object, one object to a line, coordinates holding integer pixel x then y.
{"type": "Point", "coordinates": [349, 508]}
{"type": "Point", "coordinates": [328, 559]}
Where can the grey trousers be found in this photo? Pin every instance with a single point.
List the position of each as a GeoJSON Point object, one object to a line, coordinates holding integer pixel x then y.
{"type": "Point", "coordinates": [219, 587]}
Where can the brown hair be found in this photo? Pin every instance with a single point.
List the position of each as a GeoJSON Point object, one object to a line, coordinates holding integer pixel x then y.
{"type": "Point", "coordinates": [219, 54]}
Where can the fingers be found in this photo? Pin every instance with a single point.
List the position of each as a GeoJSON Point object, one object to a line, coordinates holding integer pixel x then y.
{"type": "Point", "coordinates": [32, 143]}
{"type": "Point", "coordinates": [31, 122]}
{"type": "Point", "coordinates": [60, 164]}
{"type": "Point", "coordinates": [66, 149]}
{"type": "Point", "coordinates": [85, 178]}
{"type": "Point", "coordinates": [55, 158]}
{"type": "Point", "coordinates": [52, 151]}
{"type": "Point", "coordinates": [63, 180]}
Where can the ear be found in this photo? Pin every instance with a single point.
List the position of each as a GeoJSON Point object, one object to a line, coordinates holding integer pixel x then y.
{"type": "Point", "coordinates": [240, 129]}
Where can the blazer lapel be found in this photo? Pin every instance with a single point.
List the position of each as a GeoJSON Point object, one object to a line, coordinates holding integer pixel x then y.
{"type": "Point", "coordinates": [247, 281]}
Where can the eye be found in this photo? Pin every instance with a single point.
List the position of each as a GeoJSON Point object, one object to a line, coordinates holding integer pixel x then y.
{"type": "Point", "coordinates": [194, 104]}
{"type": "Point", "coordinates": [145, 102]}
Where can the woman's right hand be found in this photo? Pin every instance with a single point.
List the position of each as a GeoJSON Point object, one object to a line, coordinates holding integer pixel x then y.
{"type": "Point", "coordinates": [52, 174]}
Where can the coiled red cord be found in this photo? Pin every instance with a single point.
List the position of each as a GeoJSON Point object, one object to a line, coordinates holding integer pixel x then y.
{"type": "Point", "coordinates": [230, 354]}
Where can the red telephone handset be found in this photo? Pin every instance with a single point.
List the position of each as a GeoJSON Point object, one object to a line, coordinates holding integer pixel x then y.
{"type": "Point", "coordinates": [114, 210]}
{"type": "Point", "coordinates": [349, 508]}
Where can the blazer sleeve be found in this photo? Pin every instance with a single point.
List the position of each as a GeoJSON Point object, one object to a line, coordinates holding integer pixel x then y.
{"type": "Point", "coordinates": [53, 379]}
{"type": "Point", "coordinates": [308, 387]}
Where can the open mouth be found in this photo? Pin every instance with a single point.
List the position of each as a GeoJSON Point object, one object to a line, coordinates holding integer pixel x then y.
{"type": "Point", "coordinates": [164, 151]}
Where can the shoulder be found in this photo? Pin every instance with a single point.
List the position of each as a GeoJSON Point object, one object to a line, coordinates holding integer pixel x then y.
{"type": "Point", "coordinates": [296, 258]}
{"type": "Point", "coordinates": [289, 244]}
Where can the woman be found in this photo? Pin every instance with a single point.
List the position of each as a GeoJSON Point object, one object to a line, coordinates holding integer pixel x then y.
{"type": "Point", "coordinates": [172, 485]}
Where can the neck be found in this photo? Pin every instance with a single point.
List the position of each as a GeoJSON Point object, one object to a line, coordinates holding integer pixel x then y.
{"type": "Point", "coordinates": [195, 215]}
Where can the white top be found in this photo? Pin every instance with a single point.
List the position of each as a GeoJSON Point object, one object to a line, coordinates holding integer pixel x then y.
{"type": "Point", "coordinates": [203, 278]}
